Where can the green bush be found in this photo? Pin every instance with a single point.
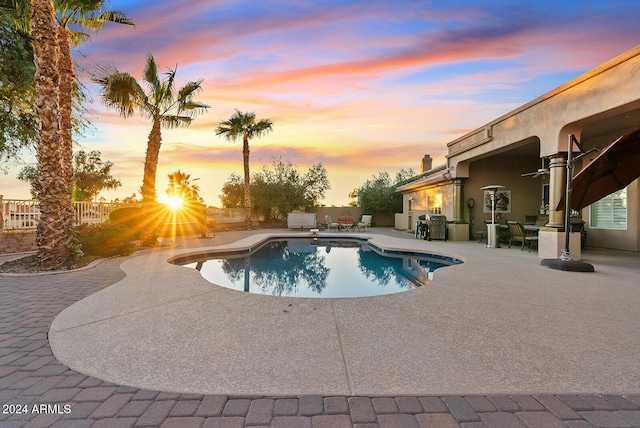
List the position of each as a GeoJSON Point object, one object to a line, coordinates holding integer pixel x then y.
{"type": "Point", "coordinates": [106, 240]}
{"type": "Point", "coordinates": [132, 217]}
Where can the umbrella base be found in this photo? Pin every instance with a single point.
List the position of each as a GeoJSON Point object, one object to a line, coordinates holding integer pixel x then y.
{"type": "Point", "coordinates": [568, 265]}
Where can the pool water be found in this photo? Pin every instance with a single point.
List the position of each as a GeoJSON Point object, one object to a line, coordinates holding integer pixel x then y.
{"type": "Point", "coordinates": [320, 268]}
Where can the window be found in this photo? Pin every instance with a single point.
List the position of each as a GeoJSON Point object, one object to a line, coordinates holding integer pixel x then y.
{"type": "Point", "coordinates": [435, 203]}
{"type": "Point", "coordinates": [610, 212]}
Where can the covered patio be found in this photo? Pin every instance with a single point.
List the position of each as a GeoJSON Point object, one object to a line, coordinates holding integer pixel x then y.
{"type": "Point", "coordinates": [597, 108]}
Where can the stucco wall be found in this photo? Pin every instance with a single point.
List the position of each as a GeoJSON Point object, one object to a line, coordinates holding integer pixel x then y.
{"type": "Point", "coordinates": [604, 91]}
{"type": "Point", "coordinates": [526, 192]}
{"type": "Point", "coordinates": [420, 205]}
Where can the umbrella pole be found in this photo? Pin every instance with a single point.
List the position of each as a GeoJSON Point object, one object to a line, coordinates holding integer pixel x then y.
{"type": "Point", "coordinates": [565, 262]}
{"type": "Point", "coordinates": [566, 254]}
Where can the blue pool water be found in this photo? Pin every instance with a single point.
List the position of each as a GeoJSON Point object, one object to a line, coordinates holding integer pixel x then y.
{"type": "Point", "coordinates": [320, 268]}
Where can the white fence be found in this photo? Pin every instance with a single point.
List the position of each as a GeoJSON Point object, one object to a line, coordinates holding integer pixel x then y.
{"type": "Point", "coordinates": [24, 214]}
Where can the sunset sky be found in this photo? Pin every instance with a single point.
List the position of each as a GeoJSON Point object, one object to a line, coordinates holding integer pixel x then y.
{"type": "Point", "coordinates": [361, 86]}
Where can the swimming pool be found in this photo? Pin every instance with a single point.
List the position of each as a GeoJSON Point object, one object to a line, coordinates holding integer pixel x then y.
{"type": "Point", "coordinates": [319, 267]}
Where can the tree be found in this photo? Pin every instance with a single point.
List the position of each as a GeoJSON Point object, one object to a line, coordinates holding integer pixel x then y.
{"type": "Point", "coordinates": [17, 93]}
{"type": "Point", "coordinates": [54, 234]}
{"type": "Point", "coordinates": [244, 125]}
{"type": "Point", "coordinates": [233, 192]}
{"type": "Point", "coordinates": [379, 193]}
{"type": "Point", "coordinates": [279, 189]}
{"type": "Point", "coordinates": [180, 186]}
{"type": "Point", "coordinates": [162, 103]}
{"type": "Point", "coordinates": [86, 14]}
{"type": "Point", "coordinates": [91, 176]}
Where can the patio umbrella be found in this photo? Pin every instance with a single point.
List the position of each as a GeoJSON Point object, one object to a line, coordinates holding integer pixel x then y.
{"type": "Point", "coordinates": [613, 169]}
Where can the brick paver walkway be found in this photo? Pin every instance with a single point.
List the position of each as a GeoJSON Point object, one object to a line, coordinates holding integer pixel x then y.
{"type": "Point", "coordinates": [38, 391]}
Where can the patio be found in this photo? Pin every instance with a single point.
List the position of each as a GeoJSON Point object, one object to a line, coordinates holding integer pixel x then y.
{"type": "Point", "coordinates": [29, 373]}
{"type": "Point", "coordinates": [498, 324]}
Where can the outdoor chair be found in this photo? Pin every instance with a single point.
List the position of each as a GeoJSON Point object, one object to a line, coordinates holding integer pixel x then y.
{"type": "Point", "coordinates": [345, 222]}
{"type": "Point", "coordinates": [483, 233]}
{"type": "Point", "coordinates": [365, 222]}
{"type": "Point", "coordinates": [517, 234]}
{"type": "Point", "coordinates": [331, 224]}
{"type": "Point", "coordinates": [530, 219]}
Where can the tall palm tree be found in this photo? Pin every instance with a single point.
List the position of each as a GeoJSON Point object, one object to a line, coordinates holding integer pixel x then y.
{"type": "Point", "coordinates": [54, 237]}
{"type": "Point", "coordinates": [87, 14]}
{"type": "Point", "coordinates": [244, 125]}
{"type": "Point", "coordinates": [162, 103]}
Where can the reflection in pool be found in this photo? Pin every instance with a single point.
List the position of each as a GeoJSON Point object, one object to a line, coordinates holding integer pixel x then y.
{"type": "Point", "coordinates": [320, 268]}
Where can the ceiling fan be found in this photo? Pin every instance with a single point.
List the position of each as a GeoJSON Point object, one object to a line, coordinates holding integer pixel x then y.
{"type": "Point", "coordinates": [541, 172]}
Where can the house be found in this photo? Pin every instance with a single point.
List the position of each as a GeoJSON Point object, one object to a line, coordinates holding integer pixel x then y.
{"type": "Point", "coordinates": [597, 108]}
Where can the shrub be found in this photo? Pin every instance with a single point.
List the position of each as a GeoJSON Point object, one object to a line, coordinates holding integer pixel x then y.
{"type": "Point", "coordinates": [132, 217]}
{"type": "Point", "coordinates": [105, 240]}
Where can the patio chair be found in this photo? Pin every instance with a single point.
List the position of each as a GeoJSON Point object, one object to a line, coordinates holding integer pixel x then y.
{"type": "Point", "coordinates": [578, 227]}
{"type": "Point", "coordinates": [331, 224]}
{"type": "Point", "coordinates": [517, 234]}
{"type": "Point", "coordinates": [365, 222]}
{"type": "Point", "coordinates": [483, 233]}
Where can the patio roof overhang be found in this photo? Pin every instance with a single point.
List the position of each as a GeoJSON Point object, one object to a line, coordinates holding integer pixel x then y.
{"type": "Point", "coordinates": [438, 175]}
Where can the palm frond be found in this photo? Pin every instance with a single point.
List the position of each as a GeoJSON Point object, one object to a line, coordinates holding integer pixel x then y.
{"type": "Point", "coordinates": [119, 90]}
{"type": "Point", "coordinates": [170, 85]}
{"type": "Point", "coordinates": [150, 73]}
{"type": "Point", "coordinates": [17, 11]}
{"type": "Point", "coordinates": [185, 98]}
{"type": "Point", "coordinates": [195, 105]}
{"type": "Point", "coordinates": [175, 121]}
{"type": "Point", "coordinates": [116, 17]}
{"type": "Point", "coordinates": [10, 4]}
{"type": "Point", "coordinates": [259, 129]}
{"type": "Point", "coordinates": [188, 90]}
{"type": "Point", "coordinates": [78, 37]}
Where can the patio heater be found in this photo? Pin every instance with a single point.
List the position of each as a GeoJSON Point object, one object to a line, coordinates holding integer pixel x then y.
{"type": "Point", "coordinates": [492, 234]}
{"type": "Point", "coordinates": [565, 261]}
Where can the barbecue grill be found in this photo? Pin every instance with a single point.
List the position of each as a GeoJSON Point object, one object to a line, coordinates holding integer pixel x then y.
{"type": "Point", "coordinates": [437, 227]}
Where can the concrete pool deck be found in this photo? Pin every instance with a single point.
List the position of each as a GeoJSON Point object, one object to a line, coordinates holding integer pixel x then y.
{"type": "Point", "coordinates": [497, 324]}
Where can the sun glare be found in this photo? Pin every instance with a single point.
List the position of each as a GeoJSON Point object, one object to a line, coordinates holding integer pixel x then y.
{"type": "Point", "coordinates": [174, 202]}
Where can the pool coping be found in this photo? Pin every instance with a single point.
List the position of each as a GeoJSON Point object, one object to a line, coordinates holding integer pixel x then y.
{"type": "Point", "coordinates": [380, 248]}
{"type": "Point", "coordinates": [166, 329]}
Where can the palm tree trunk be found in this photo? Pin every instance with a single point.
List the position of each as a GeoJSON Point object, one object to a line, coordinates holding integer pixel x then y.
{"type": "Point", "coordinates": [152, 209]}
{"type": "Point", "coordinates": [151, 163]}
{"type": "Point", "coordinates": [54, 236]}
{"type": "Point", "coordinates": [65, 89]}
{"type": "Point", "coordinates": [247, 184]}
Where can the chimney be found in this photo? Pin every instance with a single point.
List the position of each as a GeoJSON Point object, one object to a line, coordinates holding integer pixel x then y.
{"type": "Point", "coordinates": [426, 164]}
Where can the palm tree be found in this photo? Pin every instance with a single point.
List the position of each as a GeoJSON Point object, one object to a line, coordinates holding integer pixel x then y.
{"type": "Point", "coordinates": [54, 237]}
{"type": "Point", "coordinates": [244, 125]}
{"type": "Point", "coordinates": [78, 13]}
{"type": "Point", "coordinates": [180, 185]}
{"type": "Point", "coordinates": [87, 14]}
{"type": "Point", "coordinates": [161, 103]}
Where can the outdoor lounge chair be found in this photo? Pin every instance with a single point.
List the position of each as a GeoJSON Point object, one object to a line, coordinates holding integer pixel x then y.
{"type": "Point", "coordinates": [365, 222]}
{"type": "Point", "coordinates": [331, 224]}
{"type": "Point", "coordinates": [518, 234]}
